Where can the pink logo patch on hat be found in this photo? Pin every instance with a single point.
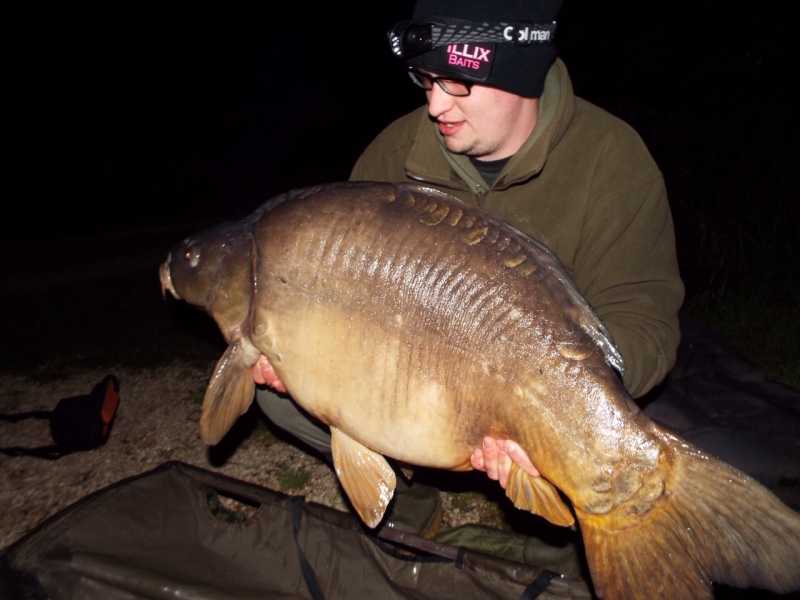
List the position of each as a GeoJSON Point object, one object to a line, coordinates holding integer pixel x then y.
{"type": "Point", "coordinates": [473, 61]}
{"type": "Point", "coordinates": [464, 55]}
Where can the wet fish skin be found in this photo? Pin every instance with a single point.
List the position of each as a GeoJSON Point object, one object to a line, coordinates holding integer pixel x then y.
{"type": "Point", "coordinates": [214, 272]}
{"type": "Point", "coordinates": [415, 325]}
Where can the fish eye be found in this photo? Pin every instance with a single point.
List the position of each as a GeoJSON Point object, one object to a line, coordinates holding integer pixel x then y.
{"type": "Point", "coordinates": [193, 255]}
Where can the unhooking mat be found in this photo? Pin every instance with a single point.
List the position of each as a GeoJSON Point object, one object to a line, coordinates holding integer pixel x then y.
{"type": "Point", "coordinates": [155, 536]}
{"type": "Point", "coordinates": [721, 402]}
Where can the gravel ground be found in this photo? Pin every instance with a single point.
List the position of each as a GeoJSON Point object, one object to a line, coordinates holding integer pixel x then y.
{"type": "Point", "coordinates": [156, 422]}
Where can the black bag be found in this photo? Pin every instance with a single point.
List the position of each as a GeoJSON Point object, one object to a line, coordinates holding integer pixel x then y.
{"type": "Point", "coordinates": [76, 423]}
{"type": "Point", "coordinates": [157, 536]}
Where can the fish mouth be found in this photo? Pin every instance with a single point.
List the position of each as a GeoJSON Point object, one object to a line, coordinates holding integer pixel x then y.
{"type": "Point", "coordinates": [166, 279]}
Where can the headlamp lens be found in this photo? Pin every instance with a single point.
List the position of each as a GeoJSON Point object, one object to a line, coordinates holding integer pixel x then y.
{"type": "Point", "coordinates": [409, 39]}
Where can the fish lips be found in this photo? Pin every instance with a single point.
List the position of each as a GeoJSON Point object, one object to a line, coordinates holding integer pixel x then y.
{"type": "Point", "coordinates": [166, 279]}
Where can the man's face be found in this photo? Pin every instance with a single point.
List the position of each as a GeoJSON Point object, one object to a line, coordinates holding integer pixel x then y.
{"type": "Point", "coordinates": [489, 124]}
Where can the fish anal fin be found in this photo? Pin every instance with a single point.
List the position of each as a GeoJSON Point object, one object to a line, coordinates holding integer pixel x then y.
{"type": "Point", "coordinates": [365, 475]}
{"type": "Point", "coordinates": [712, 524]}
{"type": "Point", "coordinates": [230, 391]}
{"type": "Point", "coordinates": [537, 495]}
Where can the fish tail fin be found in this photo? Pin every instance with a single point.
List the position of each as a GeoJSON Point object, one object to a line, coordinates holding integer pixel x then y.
{"type": "Point", "coordinates": [712, 524]}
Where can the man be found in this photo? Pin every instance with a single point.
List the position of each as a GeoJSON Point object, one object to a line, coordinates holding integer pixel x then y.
{"type": "Point", "coordinates": [502, 129]}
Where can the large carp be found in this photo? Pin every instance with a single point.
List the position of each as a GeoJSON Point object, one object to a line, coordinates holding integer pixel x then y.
{"type": "Point", "coordinates": [414, 325]}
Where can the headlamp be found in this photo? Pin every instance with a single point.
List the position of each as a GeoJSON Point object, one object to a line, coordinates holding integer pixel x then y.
{"type": "Point", "coordinates": [408, 39]}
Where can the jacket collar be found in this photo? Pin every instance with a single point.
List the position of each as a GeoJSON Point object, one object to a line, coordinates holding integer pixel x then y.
{"type": "Point", "coordinates": [431, 162]}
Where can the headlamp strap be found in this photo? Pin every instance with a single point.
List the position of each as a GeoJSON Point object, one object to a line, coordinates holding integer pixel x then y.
{"type": "Point", "coordinates": [430, 36]}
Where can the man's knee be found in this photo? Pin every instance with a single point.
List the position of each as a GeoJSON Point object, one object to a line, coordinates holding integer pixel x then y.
{"type": "Point", "coordinates": [287, 415]}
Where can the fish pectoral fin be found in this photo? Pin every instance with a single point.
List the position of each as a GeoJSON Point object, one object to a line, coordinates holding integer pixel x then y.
{"type": "Point", "coordinates": [365, 475]}
{"type": "Point", "coordinates": [537, 495]}
{"type": "Point", "coordinates": [230, 392]}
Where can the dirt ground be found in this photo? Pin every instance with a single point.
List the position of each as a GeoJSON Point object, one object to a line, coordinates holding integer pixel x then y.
{"type": "Point", "coordinates": [156, 422]}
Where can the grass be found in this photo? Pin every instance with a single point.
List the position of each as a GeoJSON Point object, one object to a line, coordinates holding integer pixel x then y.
{"type": "Point", "coordinates": [760, 320]}
{"type": "Point", "coordinates": [292, 480]}
{"type": "Point", "coordinates": [262, 434]}
{"type": "Point", "coordinates": [751, 289]}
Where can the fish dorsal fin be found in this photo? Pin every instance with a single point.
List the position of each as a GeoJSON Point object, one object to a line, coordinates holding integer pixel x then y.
{"type": "Point", "coordinates": [365, 475]}
{"type": "Point", "coordinates": [537, 495]}
{"type": "Point", "coordinates": [230, 391]}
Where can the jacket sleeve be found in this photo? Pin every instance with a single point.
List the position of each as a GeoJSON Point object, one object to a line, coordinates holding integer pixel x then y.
{"type": "Point", "coordinates": [627, 268]}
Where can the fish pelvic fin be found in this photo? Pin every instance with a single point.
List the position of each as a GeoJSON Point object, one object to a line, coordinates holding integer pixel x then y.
{"type": "Point", "coordinates": [365, 475]}
{"type": "Point", "coordinates": [230, 391]}
{"type": "Point", "coordinates": [537, 495]}
{"type": "Point", "coordinates": [712, 524]}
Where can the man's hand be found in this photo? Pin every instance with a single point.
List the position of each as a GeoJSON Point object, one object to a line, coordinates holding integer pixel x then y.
{"type": "Point", "coordinates": [496, 456]}
{"type": "Point", "coordinates": [264, 374]}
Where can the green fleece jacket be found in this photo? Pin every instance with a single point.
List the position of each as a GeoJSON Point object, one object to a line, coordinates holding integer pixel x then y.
{"type": "Point", "coordinates": [585, 185]}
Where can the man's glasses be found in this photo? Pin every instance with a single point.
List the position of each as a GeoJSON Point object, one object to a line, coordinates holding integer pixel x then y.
{"type": "Point", "coordinates": [454, 87]}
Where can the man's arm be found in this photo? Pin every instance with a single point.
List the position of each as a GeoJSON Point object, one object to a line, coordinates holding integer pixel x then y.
{"type": "Point", "coordinates": [627, 267]}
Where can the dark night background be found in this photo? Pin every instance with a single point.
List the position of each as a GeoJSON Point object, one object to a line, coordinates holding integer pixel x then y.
{"type": "Point", "coordinates": [131, 118]}
{"type": "Point", "coordinates": [128, 119]}
{"type": "Point", "coordinates": [128, 126]}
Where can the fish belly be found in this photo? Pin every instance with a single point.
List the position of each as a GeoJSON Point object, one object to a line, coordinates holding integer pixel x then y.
{"type": "Point", "coordinates": [359, 374]}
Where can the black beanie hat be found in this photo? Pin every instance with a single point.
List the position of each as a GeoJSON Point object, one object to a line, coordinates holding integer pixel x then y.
{"type": "Point", "coordinates": [516, 68]}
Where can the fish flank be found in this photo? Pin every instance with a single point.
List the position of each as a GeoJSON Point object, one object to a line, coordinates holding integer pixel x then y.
{"type": "Point", "coordinates": [502, 243]}
{"type": "Point", "coordinates": [491, 235]}
{"type": "Point", "coordinates": [514, 261]}
{"type": "Point", "coordinates": [475, 235]}
{"type": "Point", "coordinates": [419, 343]}
{"type": "Point", "coordinates": [427, 207]}
{"type": "Point", "coordinates": [454, 217]}
{"type": "Point", "coordinates": [435, 217]}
